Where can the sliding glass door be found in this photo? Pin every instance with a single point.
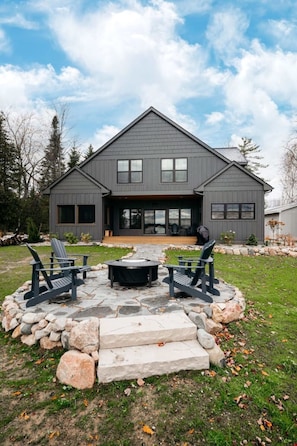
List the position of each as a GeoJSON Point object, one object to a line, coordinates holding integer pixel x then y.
{"type": "Point", "coordinates": [154, 221]}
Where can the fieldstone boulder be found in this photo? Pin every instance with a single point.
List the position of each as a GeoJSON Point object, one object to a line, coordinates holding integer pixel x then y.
{"type": "Point", "coordinates": [232, 311]}
{"type": "Point", "coordinates": [216, 356]}
{"type": "Point", "coordinates": [76, 369]}
{"type": "Point", "coordinates": [205, 339]}
{"type": "Point", "coordinates": [85, 336]}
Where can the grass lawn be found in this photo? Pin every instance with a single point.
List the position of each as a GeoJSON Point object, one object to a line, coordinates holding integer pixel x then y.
{"type": "Point", "coordinates": [253, 401]}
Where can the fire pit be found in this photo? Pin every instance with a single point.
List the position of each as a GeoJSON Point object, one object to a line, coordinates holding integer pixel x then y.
{"type": "Point", "coordinates": [132, 271]}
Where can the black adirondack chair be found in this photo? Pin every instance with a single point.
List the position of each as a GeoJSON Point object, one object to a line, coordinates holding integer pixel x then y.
{"type": "Point", "coordinates": [190, 276]}
{"type": "Point", "coordinates": [60, 254]}
{"type": "Point", "coordinates": [57, 280]}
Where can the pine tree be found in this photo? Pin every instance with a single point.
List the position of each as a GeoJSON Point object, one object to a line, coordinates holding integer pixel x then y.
{"type": "Point", "coordinates": [89, 152]}
{"type": "Point", "coordinates": [52, 165]}
{"type": "Point", "coordinates": [74, 157]}
{"type": "Point", "coordinates": [251, 152]}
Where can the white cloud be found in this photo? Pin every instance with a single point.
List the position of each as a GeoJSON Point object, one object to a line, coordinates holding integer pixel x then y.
{"type": "Point", "coordinates": [226, 32]}
{"type": "Point", "coordinates": [4, 42]}
{"type": "Point", "coordinates": [104, 134]}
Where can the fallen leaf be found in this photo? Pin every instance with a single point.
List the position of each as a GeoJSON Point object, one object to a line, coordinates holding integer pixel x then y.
{"type": "Point", "coordinates": [24, 416]}
{"type": "Point", "coordinates": [264, 373]}
{"type": "Point", "coordinates": [284, 340]}
{"type": "Point", "coordinates": [39, 361]}
{"type": "Point", "coordinates": [161, 344]}
{"type": "Point", "coordinates": [54, 434]}
{"type": "Point", "coordinates": [140, 382]}
{"type": "Point", "coordinates": [127, 391]}
{"type": "Point", "coordinates": [146, 429]}
{"type": "Point", "coordinates": [286, 397]}
{"type": "Point", "coordinates": [17, 393]}
{"type": "Point", "coordinates": [86, 403]}
{"type": "Point", "coordinates": [191, 431]}
{"type": "Point", "coordinates": [247, 384]}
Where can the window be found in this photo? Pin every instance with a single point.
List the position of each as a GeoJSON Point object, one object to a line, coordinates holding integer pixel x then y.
{"type": "Point", "coordinates": [71, 214]}
{"type": "Point", "coordinates": [181, 217]}
{"type": "Point", "coordinates": [130, 219]}
{"type": "Point", "coordinates": [66, 214]}
{"type": "Point", "coordinates": [233, 211]}
{"type": "Point", "coordinates": [174, 170]}
{"type": "Point", "coordinates": [86, 213]}
{"type": "Point", "coordinates": [129, 171]}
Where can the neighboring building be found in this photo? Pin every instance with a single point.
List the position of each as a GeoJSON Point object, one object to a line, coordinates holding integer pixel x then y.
{"type": "Point", "coordinates": [152, 176]}
{"type": "Point", "coordinates": [286, 214]}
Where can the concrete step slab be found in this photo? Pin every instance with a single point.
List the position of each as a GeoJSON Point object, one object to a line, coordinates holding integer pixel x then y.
{"type": "Point", "coordinates": [148, 360]}
{"type": "Point", "coordinates": [148, 329]}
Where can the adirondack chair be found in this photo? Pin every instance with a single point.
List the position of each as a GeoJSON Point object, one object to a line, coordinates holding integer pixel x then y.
{"type": "Point", "coordinates": [190, 276]}
{"type": "Point", "coordinates": [60, 254]}
{"type": "Point", "coordinates": [57, 280]}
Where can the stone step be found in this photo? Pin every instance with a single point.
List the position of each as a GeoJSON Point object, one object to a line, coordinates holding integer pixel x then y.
{"type": "Point", "coordinates": [144, 330]}
{"type": "Point", "coordinates": [148, 360]}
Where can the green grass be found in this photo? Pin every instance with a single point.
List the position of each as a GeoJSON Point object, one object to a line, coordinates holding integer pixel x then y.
{"type": "Point", "coordinates": [252, 400]}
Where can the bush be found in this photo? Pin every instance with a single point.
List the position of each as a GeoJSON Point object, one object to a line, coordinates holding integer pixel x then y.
{"type": "Point", "coordinates": [252, 240]}
{"type": "Point", "coordinates": [70, 238]}
{"type": "Point", "coordinates": [33, 231]}
{"type": "Point", "coordinates": [85, 238]}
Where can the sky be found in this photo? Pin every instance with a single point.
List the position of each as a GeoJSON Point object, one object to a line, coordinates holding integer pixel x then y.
{"type": "Point", "coordinates": [222, 69]}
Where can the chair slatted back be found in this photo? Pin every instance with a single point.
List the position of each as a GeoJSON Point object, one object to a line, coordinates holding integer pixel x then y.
{"type": "Point", "coordinates": [60, 253]}
{"type": "Point", "coordinates": [205, 254]}
{"type": "Point", "coordinates": [36, 257]}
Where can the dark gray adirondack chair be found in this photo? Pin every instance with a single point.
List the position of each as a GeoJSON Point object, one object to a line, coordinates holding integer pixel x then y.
{"type": "Point", "coordinates": [57, 281]}
{"type": "Point", "coordinates": [191, 277]}
{"type": "Point", "coordinates": [60, 254]}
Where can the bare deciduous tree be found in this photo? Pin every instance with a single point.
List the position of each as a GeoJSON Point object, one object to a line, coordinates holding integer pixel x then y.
{"type": "Point", "coordinates": [289, 172]}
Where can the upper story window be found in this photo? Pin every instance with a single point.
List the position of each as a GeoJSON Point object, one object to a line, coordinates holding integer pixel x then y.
{"type": "Point", "coordinates": [129, 171]}
{"type": "Point", "coordinates": [233, 211]}
{"type": "Point", "coordinates": [174, 170]}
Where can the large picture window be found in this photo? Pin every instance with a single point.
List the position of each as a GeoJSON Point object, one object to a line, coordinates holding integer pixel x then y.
{"type": "Point", "coordinates": [129, 171]}
{"type": "Point", "coordinates": [181, 217]}
{"type": "Point", "coordinates": [80, 214]}
{"type": "Point", "coordinates": [233, 211]}
{"type": "Point", "coordinates": [130, 219]}
{"type": "Point", "coordinates": [174, 170]}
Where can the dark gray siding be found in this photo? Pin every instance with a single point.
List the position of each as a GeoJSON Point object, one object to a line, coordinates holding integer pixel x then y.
{"type": "Point", "coordinates": [150, 140]}
{"type": "Point", "coordinates": [75, 189]}
{"type": "Point", "coordinates": [235, 186]}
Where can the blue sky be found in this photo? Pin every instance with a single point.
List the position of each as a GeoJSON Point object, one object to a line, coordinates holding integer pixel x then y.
{"type": "Point", "coordinates": [221, 69]}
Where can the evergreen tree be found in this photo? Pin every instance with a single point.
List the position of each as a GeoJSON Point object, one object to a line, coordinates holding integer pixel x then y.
{"type": "Point", "coordinates": [7, 159]}
{"type": "Point", "coordinates": [74, 157]}
{"type": "Point", "coordinates": [52, 165]}
{"type": "Point", "coordinates": [89, 152]}
{"type": "Point", "coordinates": [251, 152]}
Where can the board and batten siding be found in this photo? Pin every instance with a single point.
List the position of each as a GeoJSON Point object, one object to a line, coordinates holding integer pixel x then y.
{"type": "Point", "coordinates": [236, 188]}
{"type": "Point", "coordinates": [152, 139]}
{"type": "Point", "coordinates": [75, 189]}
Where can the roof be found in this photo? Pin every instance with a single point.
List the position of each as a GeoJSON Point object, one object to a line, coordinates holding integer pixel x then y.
{"type": "Point", "coordinates": [201, 187]}
{"type": "Point", "coordinates": [81, 172]}
{"type": "Point", "coordinates": [233, 154]}
{"type": "Point", "coordinates": [279, 209]}
{"type": "Point", "coordinates": [169, 121]}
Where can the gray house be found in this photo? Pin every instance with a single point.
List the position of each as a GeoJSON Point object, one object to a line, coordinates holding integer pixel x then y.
{"type": "Point", "coordinates": [154, 176]}
{"type": "Point", "coordinates": [286, 214]}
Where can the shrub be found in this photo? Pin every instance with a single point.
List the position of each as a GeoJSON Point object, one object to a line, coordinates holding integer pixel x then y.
{"type": "Point", "coordinates": [85, 238]}
{"type": "Point", "coordinates": [252, 240]}
{"type": "Point", "coordinates": [227, 237]}
{"type": "Point", "coordinates": [70, 238]}
{"type": "Point", "coordinates": [33, 231]}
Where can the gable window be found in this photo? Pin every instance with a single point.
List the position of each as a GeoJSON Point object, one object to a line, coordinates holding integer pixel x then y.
{"type": "Point", "coordinates": [81, 214]}
{"type": "Point", "coordinates": [233, 211]}
{"type": "Point", "coordinates": [130, 218]}
{"type": "Point", "coordinates": [129, 171]}
{"type": "Point", "coordinates": [174, 170]}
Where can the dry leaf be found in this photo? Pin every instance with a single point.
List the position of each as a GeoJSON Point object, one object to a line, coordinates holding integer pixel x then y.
{"type": "Point", "coordinates": [264, 373]}
{"type": "Point", "coordinates": [247, 384]}
{"type": "Point", "coordinates": [17, 393]}
{"type": "Point", "coordinates": [39, 361]}
{"type": "Point", "coordinates": [24, 416]}
{"type": "Point", "coordinates": [127, 391]}
{"type": "Point", "coordinates": [140, 382]}
{"type": "Point", "coordinates": [161, 344]}
{"type": "Point", "coordinates": [86, 403]}
{"type": "Point", "coordinates": [191, 431]}
{"type": "Point", "coordinates": [146, 429]}
{"type": "Point", "coordinates": [54, 434]}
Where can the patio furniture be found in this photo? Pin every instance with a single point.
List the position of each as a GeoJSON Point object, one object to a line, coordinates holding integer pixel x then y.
{"type": "Point", "coordinates": [57, 280]}
{"type": "Point", "coordinates": [190, 275]}
{"type": "Point", "coordinates": [174, 230]}
{"type": "Point", "coordinates": [60, 254]}
{"type": "Point", "coordinates": [132, 271]}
